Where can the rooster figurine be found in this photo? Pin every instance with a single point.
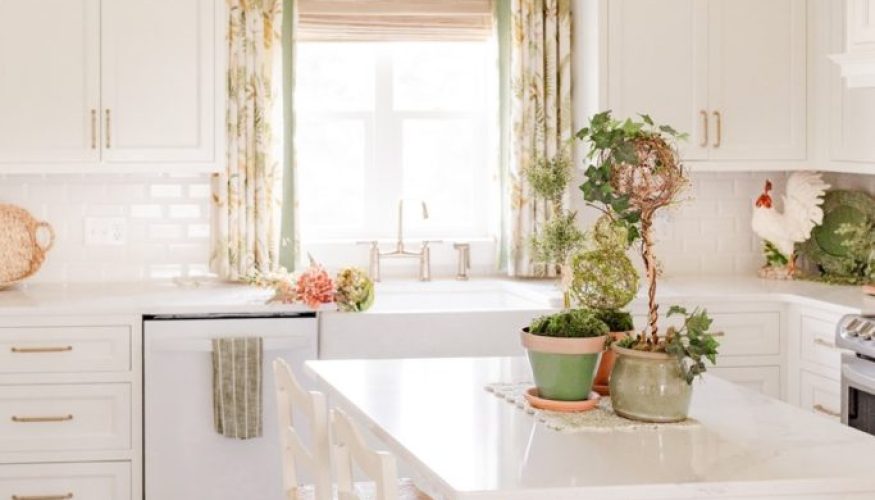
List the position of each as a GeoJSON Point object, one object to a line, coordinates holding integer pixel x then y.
{"type": "Point", "coordinates": [781, 231]}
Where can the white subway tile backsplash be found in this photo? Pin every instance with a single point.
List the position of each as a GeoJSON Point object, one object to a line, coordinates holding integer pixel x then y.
{"type": "Point", "coordinates": [168, 223]}
{"type": "Point", "coordinates": [160, 211]}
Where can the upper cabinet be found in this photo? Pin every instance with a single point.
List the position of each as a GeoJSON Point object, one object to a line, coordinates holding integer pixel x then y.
{"type": "Point", "coordinates": [857, 56]}
{"type": "Point", "coordinates": [731, 73]}
{"type": "Point", "coordinates": [49, 82]}
{"type": "Point", "coordinates": [111, 85]}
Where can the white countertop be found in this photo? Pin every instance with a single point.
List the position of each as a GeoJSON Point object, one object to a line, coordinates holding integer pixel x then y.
{"type": "Point", "coordinates": [221, 297]}
{"type": "Point", "coordinates": [465, 443]}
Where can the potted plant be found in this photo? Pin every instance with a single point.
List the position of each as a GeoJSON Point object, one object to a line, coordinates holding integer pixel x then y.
{"type": "Point", "coordinates": [559, 237]}
{"type": "Point", "coordinates": [564, 350]}
{"type": "Point", "coordinates": [605, 281]}
{"type": "Point", "coordinates": [634, 172]}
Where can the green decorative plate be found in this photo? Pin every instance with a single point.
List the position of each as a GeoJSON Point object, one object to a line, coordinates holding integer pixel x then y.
{"type": "Point", "coordinates": [834, 253]}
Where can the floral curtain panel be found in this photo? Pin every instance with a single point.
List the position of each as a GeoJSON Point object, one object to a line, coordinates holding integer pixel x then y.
{"type": "Point", "coordinates": [247, 197]}
{"type": "Point", "coordinates": [540, 115]}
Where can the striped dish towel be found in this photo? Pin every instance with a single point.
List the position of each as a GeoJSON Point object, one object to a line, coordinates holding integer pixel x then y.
{"type": "Point", "coordinates": [237, 399]}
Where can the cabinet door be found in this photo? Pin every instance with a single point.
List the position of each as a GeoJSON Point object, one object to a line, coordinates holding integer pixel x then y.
{"type": "Point", "coordinates": [756, 79]}
{"type": "Point", "coordinates": [49, 87]}
{"type": "Point", "coordinates": [656, 65]}
{"type": "Point", "coordinates": [852, 110]}
{"type": "Point", "coordinates": [158, 81]}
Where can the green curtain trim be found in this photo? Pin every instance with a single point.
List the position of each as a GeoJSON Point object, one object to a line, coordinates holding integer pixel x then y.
{"type": "Point", "coordinates": [503, 28]}
{"type": "Point", "coordinates": [288, 241]}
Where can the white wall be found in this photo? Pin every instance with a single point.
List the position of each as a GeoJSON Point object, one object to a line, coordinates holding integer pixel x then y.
{"type": "Point", "coordinates": [166, 217]}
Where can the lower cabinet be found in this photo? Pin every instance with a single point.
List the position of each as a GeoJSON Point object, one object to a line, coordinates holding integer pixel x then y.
{"type": "Point", "coordinates": [74, 481]}
{"type": "Point", "coordinates": [763, 379]}
{"type": "Point", "coordinates": [820, 394]}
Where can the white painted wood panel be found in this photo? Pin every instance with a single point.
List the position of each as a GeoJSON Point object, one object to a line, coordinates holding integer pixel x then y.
{"type": "Point", "coordinates": [157, 76]}
{"type": "Point", "coordinates": [817, 341]}
{"type": "Point", "coordinates": [657, 65]}
{"type": "Point", "coordinates": [763, 379]}
{"type": "Point", "coordinates": [49, 81]}
{"type": "Point", "coordinates": [85, 481]}
{"type": "Point", "coordinates": [54, 349]}
{"type": "Point", "coordinates": [54, 418]}
{"type": "Point", "coordinates": [756, 80]}
{"type": "Point", "coordinates": [820, 395]}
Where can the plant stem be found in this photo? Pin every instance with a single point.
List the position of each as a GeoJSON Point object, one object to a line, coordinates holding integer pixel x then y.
{"type": "Point", "coordinates": [650, 268]}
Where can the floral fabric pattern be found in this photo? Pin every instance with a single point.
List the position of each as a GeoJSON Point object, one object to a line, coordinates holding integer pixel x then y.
{"type": "Point", "coordinates": [247, 197]}
{"type": "Point", "coordinates": [541, 118]}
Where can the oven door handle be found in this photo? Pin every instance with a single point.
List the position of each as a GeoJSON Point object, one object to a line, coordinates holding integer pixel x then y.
{"type": "Point", "coordinates": [859, 373]}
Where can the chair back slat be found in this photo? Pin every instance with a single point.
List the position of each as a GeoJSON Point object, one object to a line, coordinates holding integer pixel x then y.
{"type": "Point", "coordinates": [350, 449]}
{"type": "Point", "coordinates": [292, 397]}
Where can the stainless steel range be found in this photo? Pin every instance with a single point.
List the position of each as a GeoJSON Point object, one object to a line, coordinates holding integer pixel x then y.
{"type": "Point", "coordinates": [857, 333]}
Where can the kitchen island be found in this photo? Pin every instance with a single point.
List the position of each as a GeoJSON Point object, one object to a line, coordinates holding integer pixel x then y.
{"type": "Point", "coordinates": [464, 443]}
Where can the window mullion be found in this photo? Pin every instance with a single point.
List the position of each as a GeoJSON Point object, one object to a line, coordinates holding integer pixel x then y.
{"type": "Point", "coordinates": [388, 178]}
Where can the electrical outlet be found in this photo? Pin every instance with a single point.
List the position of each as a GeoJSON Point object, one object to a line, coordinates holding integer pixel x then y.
{"type": "Point", "coordinates": [106, 231]}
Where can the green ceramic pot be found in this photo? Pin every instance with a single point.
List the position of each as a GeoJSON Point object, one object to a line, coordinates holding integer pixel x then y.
{"type": "Point", "coordinates": [563, 367]}
{"type": "Point", "coordinates": [649, 386]}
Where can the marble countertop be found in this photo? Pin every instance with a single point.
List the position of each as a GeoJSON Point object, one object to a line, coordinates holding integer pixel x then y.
{"type": "Point", "coordinates": [214, 297]}
{"type": "Point", "coordinates": [464, 443]}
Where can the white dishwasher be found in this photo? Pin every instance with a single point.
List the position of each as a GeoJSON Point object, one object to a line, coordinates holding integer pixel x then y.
{"type": "Point", "coordinates": [185, 459]}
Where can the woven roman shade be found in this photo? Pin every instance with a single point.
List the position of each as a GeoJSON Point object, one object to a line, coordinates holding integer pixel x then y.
{"type": "Point", "coordinates": [394, 20]}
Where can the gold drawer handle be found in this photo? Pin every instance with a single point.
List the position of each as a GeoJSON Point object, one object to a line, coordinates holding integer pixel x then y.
{"type": "Point", "coordinates": [32, 350]}
{"type": "Point", "coordinates": [824, 343]}
{"type": "Point", "coordinates": [822, 409]}
{"type": "Point", "coordinates": [68, 496]}
{"type": "Point", "coordinates": [719, 120]}
{"type": "Point", "coordinates": [704, 115]}
{"type": "Point", "coordinates": [718, 334]}
{"type": "Point", "coordinates": [30, 420]}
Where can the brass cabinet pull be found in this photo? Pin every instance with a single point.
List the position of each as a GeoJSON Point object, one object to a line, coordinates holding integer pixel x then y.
{"type": "Point", "coordinates": [67, 496]}
{"type": "Point", "coordinates": [824, 343]}
{"type": "Point", "coordinates": [704, 115]}
{"type": "Point", "coordinates": [108, 126]}
{"type": "Point", "coordinates": [93, 129]}
{"type": "Point", "coordinates": [31, 420]}
{"type": "Point", "coordinates": [33, 350]}
{"type": "Point", "coordinates": [717, 334]}
{"type": "Point", "coordinates": [719, 119]}
{"type": "Point", "coordinates": [822, 409]}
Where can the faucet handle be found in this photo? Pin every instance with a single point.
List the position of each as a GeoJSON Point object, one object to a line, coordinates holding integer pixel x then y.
{"type": "Point", "coordinates": [372, 243]}
{"type": "Point", "coordinates": [426, 243]}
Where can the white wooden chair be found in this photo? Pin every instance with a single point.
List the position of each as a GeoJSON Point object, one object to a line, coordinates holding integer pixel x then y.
{"type": "Point", "coordinates": [317, 460]}
{"type": "Point", "coordinates": [352, 452]}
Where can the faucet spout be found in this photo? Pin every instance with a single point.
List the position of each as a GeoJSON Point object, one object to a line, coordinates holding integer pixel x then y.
{"type": "Point", "coordinates": [399, 245]}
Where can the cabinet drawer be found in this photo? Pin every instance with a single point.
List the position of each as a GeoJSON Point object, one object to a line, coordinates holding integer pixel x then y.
{"type": "Point", "coordinates": [65, 349]}
{"type": "Point", "coordinates": [50, 418]}
{"type": "Point", "coordinates": [749, 334]}
{"type": "Point", "coordinates": [820, 394]}
{"type": "Point", "coordinates": [763, 379]}
{"type": "Point", "coordinates": [85, 481]}
{"type": "Point", "coordinates": [817, 344]}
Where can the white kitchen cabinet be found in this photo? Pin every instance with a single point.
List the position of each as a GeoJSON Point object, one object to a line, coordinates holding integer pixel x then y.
{"type": "Point", "coordinates": [157, 70]}
{"type": "Point", "coordinates": [731, 73]}
{"type": "Point", "coordinates": [111, 86]}
{"type": "Point", "coordinates": [756, 79]}
{"type": "Point", "coordinates": [820, 395]}
{"type": "Point", "coordinates": [49, 82]}
{"type": "Point", "coordinates": [656, 62]}
{"type": "Point", "coordinates": [763, 379]}
{"type": "Point", "coordinates": [88, 481]}
{"type": "Point", "coordinates": [851, 110]}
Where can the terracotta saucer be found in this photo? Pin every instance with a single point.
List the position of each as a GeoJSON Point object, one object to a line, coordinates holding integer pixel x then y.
{"type": "Point", "coordinates": [563, 406]}
{"type": "Point", "coordinates": [603, 390]}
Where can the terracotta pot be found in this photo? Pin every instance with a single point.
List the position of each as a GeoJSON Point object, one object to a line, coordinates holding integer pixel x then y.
{"type": "Point", "coordinates": [649, 386]}
{"type": "Point", "coordinates": [606, 365]}
{"type": "Point", "coordinates": [563, 367]}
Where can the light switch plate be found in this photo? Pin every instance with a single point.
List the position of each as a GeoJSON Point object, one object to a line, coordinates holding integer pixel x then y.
{"type": "Point", "coordinates": [106, 231]}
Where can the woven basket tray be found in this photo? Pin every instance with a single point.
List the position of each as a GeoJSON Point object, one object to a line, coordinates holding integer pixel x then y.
{"type": "Point", "coordinates": [22, 251]}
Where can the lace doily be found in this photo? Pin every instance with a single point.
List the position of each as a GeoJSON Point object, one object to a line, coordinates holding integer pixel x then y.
{"type": "Point", "coordinates": [601, 419]}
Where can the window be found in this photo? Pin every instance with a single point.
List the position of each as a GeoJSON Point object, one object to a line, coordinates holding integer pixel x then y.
{"type": "Point", "coordinates": [380, 121]}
